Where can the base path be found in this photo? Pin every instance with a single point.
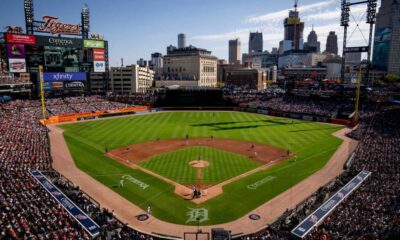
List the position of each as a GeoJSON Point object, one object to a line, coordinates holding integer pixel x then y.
{"type": "Point", "coordinates": [126, 211]}
{"type": "Point", "coordinates": [135, 153]}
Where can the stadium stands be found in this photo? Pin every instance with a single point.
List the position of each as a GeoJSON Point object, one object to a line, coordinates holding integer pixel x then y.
{"type": "Point", "coordinates": [29, 212]}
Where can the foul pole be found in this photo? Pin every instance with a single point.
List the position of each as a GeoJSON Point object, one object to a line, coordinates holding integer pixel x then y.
{"type": "Point", "coordinates": [42, 92]}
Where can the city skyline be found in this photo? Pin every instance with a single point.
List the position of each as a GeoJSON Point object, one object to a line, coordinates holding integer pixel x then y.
{"type": "Point", "coordinates": [150, 27]}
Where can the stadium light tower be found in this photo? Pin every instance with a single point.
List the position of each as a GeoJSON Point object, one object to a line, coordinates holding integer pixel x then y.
{"type": "Point", "coordinates": [344, 22]}
{"type": "Point", "coordinates": [29, 21]}
{"type": "Point", "coordinates": [85, 22]}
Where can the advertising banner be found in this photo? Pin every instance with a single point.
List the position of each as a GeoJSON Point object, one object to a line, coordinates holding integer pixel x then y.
{"type": "Point", "coordinates": [93, 44]}
{"type": "Point", "coordinates": [18, 38]}
{"type": "Point", "coordinates": [58, 41]}
{"type": "Point", "coordinates": [98, 55]}
{"type": "Point", "coordinates": [63, 76]}
{"type": "Point", "coordinates": [318, 215]}
{"type": "Point", "coordinates": [77, 85]}
{"type": "Point", "coordinates": [380, 59]}
{"type": "Point", "coordinates": [17, 65]}
{"type": "Point", "coordinates": [16, 50]}
{"type": "Point", "coordinates": [80, 216]}
{"type": "Point", "coordinates": [99, 66]}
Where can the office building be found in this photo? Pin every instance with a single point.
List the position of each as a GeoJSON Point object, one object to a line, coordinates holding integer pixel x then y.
{"type": "Point", "coordinates": [386, 53]}
{"type": "Point", "coordinates": [190, 66]}
{"type": "Point", "coordinates": [255, 42]}
{"type": "Point", "coordinates": [141, 62]}
{"type": "Point", "coordinates": [131, 79]}
{"type": "Point", "coordinates": [312, 43]}
{"type": "Point", "coordinates": [156, 61]}
{"type": "Point", "coordinates": [293, 30]}
{"type": "Point", "coordinates": [332, 43]}
{"type": "Point", "coordinates": [234, 51]}
{"type": "Point", "coordinates": [181, 40]}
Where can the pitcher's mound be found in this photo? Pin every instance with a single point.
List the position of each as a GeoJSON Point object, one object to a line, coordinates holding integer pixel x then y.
{"type": "Point", "coordinates": [199, 164]}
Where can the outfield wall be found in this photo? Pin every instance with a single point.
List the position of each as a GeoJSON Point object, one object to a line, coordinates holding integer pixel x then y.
{"type": "Point", "coordinates": [92, 115]}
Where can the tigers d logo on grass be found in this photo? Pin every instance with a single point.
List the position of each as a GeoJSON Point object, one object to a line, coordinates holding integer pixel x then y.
{"type": "Point", "coordinates": [197, 214]}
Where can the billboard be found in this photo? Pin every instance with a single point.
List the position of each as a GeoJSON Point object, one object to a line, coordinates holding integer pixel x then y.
{"type": "Point", "coordinates": [63, 76]}
{"type": "Point", "coordinates": [62, 58]}
{"type": "Point", "coordinates": [17, 65]}
{"type": "Point", "coordinates": [93, 44]}
{"type": "Point", "coordinates": [99, 55]}
{"type": "Point", "coordinates": [382, 40]}
{"type": "Point", "coordinates": [58, 41]}
{"type": "Point", "coordinates": [18, 38]}
{"type": "Point", "coordinates": [99, 66]}
{"type": "Point", "coordinates": [16, 50]}
{"type": "Point", "coordinates": [53, 26]}
{"type": "Point", "coordinates": [34, 57]}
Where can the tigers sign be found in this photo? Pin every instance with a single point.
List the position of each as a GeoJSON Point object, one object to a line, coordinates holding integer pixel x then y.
{"type": "Point", "coordinates": [53, 26]}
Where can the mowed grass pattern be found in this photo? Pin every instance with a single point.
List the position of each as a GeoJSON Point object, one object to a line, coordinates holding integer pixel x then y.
{"type": "Point", "coordinates": [312, 143]}
{"type": "Point", "coordinates": [222, 165]}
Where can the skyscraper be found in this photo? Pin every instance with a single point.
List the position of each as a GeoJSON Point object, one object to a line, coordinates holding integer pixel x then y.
{"type": "Point", "coordinates": [386, 55]}
{"type": "Point", "coordinates": [181, 40]}
{"type": "Point", "coordinates": [234, 51]}
{"type": "Point", "coordinates": [312, 43]}
{"type": "Point", "coordinates": [294, 30]}
{"type": "Point", "coordinates": [332, 43]}
{"type": "Point", "coordinates": [255, 42]}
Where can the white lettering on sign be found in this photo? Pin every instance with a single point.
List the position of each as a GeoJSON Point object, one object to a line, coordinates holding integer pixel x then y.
{"type": "Point", "coordinates": [133, 180]}
{"type": "Point", "coordinates": [261, 182]}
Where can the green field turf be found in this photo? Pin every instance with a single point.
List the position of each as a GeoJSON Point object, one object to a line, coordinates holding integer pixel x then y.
{"type": "Point", "coordinates": [223, 165]}
{"type": "Point", "coordinates": [312, 142]}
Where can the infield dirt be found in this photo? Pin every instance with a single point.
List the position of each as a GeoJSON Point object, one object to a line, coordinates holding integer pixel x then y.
{"type": "Point", "coordinates": [135, 153]}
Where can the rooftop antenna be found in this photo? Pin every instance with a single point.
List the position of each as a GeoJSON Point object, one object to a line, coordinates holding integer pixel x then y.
{"type": "Point", "coordinates": [295, 5]}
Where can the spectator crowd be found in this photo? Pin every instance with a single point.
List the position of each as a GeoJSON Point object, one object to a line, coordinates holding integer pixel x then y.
{"type": "Point", "coordinates": [27, 211]}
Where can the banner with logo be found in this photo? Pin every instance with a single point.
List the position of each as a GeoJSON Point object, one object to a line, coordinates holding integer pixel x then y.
{"type": "Point", "coordinates": [18, 38]}
{"type": "Point", "coordinates": [81, 217]}
{"type": "Point", "coordinates": [98, 54]}
{"type": "Point", "coordinates": [63, 76]}
{"type": "Point", "coordinates": [58, 41]}
{"type": "Point", "coordinates": [16, 50]}
{"type": "Point", "coordinates": [323, 211]}
{"type": "Point", "coordinates": [17, 65]}
{"type": "Point", "coordinates": [93, 43]}
{"type": "Point", "coordinates": [99, 66]}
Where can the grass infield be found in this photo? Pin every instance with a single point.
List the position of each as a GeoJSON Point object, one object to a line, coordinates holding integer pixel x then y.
{"type": "Point", "coordinates": [312, 143]}
{"type": "Point", "coordinates": [223, 165]}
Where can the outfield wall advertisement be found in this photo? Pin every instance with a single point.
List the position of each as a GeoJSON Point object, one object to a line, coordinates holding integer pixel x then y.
{"type": "Point", "coordinates": [80, 216]}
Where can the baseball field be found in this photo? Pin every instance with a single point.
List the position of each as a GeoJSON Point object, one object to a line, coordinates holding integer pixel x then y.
{"type": "Point", "coordinates": [164, 145]}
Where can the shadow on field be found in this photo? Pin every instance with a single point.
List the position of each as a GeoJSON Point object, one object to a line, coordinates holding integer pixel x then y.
{"type": "Point", "coordinates": [315, 129]}
{"type": "Point", "coordinates": [220, 126]}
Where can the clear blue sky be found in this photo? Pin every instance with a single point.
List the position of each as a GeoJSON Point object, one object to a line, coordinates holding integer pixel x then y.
{"type": "Point", "coordinates": [136, 28]}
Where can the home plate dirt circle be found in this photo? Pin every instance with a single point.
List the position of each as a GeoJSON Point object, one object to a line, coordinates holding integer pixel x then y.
{"type": "Point", "coordinates": [199, 163]}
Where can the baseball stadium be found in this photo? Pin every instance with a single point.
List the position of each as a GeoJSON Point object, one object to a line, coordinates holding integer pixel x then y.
{"type": "Point", "coordinates": [297, 159]}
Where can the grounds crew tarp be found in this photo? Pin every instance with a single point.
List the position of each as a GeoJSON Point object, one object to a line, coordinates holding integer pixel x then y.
{"type": "Point", "coordinates": [84, 220]}
{"type": "Point", "coordinates": [323, 211]}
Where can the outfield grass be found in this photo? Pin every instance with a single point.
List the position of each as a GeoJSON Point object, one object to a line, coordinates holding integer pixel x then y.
{"type": "Point", "coordinates": [223, 165]}
{"type": "Point", "coordinates": [312, 142]}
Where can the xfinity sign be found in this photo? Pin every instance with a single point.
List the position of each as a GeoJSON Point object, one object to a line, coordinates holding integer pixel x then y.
{"type": "Point", "coordinates": [64, 76]}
